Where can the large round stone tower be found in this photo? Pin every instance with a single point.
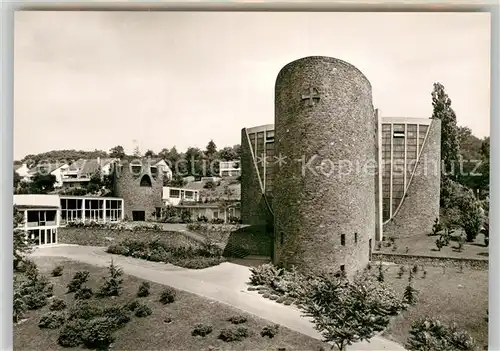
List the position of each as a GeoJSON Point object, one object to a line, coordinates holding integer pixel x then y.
{"type": "Point", "coordinates": [325, 132]}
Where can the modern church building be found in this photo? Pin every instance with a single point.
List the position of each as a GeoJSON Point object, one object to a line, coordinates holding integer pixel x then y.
{"type": "Point", "coordinates": [407, 175]}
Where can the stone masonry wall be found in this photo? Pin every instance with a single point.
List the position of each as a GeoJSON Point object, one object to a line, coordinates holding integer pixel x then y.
{"type": "Point", "coordinates": [314, 204]}
{"type": "Point", "coordinates": [420, 206]}
{"type": "Point", "coordinates": [136, 197]}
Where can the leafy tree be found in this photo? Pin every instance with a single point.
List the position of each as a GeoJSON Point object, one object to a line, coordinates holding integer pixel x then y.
{"type": "Point", "coordinates": [471, 214]}
{"type": "Point", "coordinates": [177, 181]}
{"type": "Point", "coordinates": [211, 157]}
{"type": "Point", "coordinates": [237, 151]}
{"type": "Point", "coordinates": [227, 154]}
{"type": "Point", "coordinates": [486, 220]}
{"type": "Point", "coordinates": [42, 183]}
{"type": "Point", "coordinates": [17, 179]}
{"type": "Point", "coordinates": [95, 183]}
{"type": "Point", "coordinates": [149, 153]}
{"type": "Point", "coordinates": [211, 150]}
{"type": "Point", "coordinates": [21, 245]}
{"type": "Point", "coordinates": [432, 335]}
{"type": "Point", "coordinates": [194, 158]}
{"type": "Point", "coordinates": [449, 131]}
{"type": "Point", "coordinates": [117, 152]}
{"type": "Point", "coordinates": [57, 156]}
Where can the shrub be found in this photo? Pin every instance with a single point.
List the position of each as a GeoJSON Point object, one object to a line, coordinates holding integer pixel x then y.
{"type": "Point", "coordinates": [71, 333]}
{"type": "Point", "coordinates": [239, 319]}
{"type": "Point", "coordinates": [97, 333]}
{"type": "Point", "coordinates": [203, 219]}
{"type": "Point", "coordinates": [57, 305]}
{"type": "Point", "coordinates": [433, 335]}
{"type": "Point", "coordinates": [410, 293]}
{"type": "Point", "coordinates": [234, 220]}
{"type": "Point", "coordinates": [49, 290]}
{"type": "Point", "coordinates": [117, 316]}
{"type": "Point", "coordinates": [19, 305]}
{"type": "Point", "coordinates": [84, 310]}
{"type": "Point", "coordinates": [57, 271]}
{"type": "Point", "coordinates": [167, 295]}
{"type": "Point", "coordinates": [78, 280]}
{"type": "Point", "coordinates": [233, 334]}
{"type": "Point", "coordinates": [35, 300]}
{"type": "Point", "coordinates": [401, 272]}
{"type": "Point", "coordinates": [264, 274]}
{"type": "Point", "coordinates": [51, 320]}
{"type": "Point", "coordinates": [270, 331]}
{"type": "Point", "coordinates": [84, 293]}
{"type": "Point", "coordinates": [173, 220]}
{"type": "Point", "coordinates": [360, 307]}
{"type": "Point", "coordinates": [118, 249]}
{"type": "Point", "coordinates": [143, 311]}
{"type": "Point", "coordinates": [132, 305]}
{"type": "Point", "coordinates": [437, 227]}
{"type": "Point", "coordinates": [198, 262]}
{"type": "Point", "coordinates": [217, 221]}
{"type": "Point", "coordinates": [201, 330]}
{"type": "Point", "coordinates": [143, 290]}
{"type": "Point", "coordinates": [113, 282]}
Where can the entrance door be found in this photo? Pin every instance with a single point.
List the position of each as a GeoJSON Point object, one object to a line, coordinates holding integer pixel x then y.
{"type": "Point", "coordinates": [42, 237]}
{"type": "Point", "coordinates": [49, 236]}
{"type": "Point", "coordinates": [139, 216]}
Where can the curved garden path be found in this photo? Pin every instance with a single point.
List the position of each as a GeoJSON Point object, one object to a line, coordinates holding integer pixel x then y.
{"type": "Point", "coordinates": [225, 283]}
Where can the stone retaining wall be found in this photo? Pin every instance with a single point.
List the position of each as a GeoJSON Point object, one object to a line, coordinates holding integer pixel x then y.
{"type": "Point", "coordinates": [403, 259]}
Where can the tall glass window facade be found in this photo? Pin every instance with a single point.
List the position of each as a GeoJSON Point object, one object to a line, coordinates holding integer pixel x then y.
{"type": "Point", "coordinates": [401, 145]}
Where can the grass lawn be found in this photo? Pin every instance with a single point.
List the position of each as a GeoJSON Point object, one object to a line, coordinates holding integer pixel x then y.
{"type": "Point", "coordinates": [456, 297]}
{"type": "Point", "coordinates": [426, 245]}
{"type": "Point", "coordinates": [152, 332]}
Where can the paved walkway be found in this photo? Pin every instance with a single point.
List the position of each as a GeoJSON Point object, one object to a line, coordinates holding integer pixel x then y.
{"type": "Point", "coordinates": [225, 283]}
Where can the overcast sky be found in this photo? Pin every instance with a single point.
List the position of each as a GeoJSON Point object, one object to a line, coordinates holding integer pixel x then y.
{"type": "Point", "coordinates": [93, 80]}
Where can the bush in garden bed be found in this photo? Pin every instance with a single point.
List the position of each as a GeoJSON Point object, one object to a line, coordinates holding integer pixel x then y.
{"type": "Point", "coordinates": [194, 256]}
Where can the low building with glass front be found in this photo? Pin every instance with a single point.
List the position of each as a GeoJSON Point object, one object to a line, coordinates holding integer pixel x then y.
{"type": "Point", "coordinates": [44, 214]}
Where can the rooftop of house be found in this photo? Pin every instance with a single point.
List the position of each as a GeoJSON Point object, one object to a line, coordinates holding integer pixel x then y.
{"type": "Point", "coordinates": [45, 167]}
{"type": "Point", "coordinates": [36, 201]}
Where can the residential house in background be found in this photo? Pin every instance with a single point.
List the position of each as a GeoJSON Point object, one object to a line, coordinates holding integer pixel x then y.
{"type": "Point", "coordinates": [161, 163]}
{"type": "Point", "coordinates": [229, 168]}
{"type": "Point", "coordinates": [212, 211]}
{"type": "Point", "coordinates": [78, 174]}
{"type": "Point", "coordinates": [23, 171]}
{"type": "Point", "coordinates": [175, 196]}
{"type": "Point", "coordinates": [56, 169]}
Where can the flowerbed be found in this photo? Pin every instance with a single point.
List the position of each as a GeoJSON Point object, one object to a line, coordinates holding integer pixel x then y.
{"type": "Point", "coordinates": [194, 256]}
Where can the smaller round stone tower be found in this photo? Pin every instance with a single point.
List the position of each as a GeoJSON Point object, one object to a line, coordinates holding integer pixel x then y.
{"type": "Point", "coordinates": [140, 184]}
